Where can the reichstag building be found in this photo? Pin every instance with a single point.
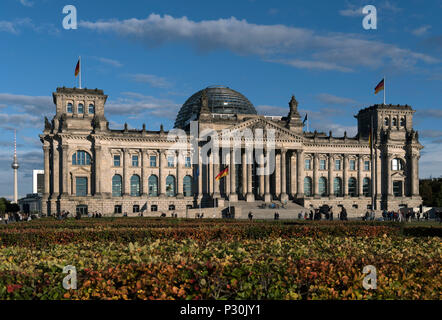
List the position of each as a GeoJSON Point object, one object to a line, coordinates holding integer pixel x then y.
{"type": "Point", "coordinates": [90, 167]}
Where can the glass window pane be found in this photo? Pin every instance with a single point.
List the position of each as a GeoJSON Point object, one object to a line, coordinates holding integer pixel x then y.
{"type": "Point", "coordinates": [134, 161]}
{"type": "Point", "coordinates": [337, 186]}
{"type": "Point", "coordinates": [338, 164]}
{"type": "Point", "coordinates": [135, 186]}
{"type": "Point", "coordinates": [91, 109]}
{"type": "Point", "coordinates": [322, 186]}
{"type": "Point", "coordinates": [153, 161]}
{"type": "Point", "coordinates": [322, 164]}
{"type": "Point", "coordinates": [187, 186]}
{"type": "Point", "coordinates": [116, 161]}
{"type": "Point", "coordinates": [170, 186]}
{"type": "Point", "coordinates": [307, 186]}
{"type": "Point", "coordinates": [116, 186]}
{"type": "Point", "coordinates": [352, 187]}
{"type": "Point", "coordinates": [81, 186]}
{"type": "Point", "coordinates": [153, 186]}
{"type": "Point", "coordinates": [80, 108]}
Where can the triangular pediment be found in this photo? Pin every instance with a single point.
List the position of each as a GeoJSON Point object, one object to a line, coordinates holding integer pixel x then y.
{"type": "Point", "coordinates": [80, 170]}
{"type": "Point", "coordinates": [398, 175]}
{"type": "Point", "coordinates": [281, 133]}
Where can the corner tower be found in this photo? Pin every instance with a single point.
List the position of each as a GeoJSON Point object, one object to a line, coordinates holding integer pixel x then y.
{"type": "Point", "coordinates": [79, 110]}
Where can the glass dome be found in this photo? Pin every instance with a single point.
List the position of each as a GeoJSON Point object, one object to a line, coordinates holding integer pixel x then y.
{"type": "Point", "coordinates": [222, 100]}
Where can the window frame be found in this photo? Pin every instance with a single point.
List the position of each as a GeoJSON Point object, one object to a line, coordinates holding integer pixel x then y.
{"type": "Point", "coordinates": [114, 160]}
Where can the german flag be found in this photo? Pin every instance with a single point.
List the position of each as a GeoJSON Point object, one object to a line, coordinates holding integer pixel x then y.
{"type": "Point", "coordinates": [222, 174]}
{"type": "Point", "coordinates": [77, 68]}
{"type": "Point", "coordinates": [379, 87]}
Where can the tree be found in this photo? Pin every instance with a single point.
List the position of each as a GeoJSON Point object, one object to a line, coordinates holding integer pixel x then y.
{"type": "Point", "coordinates": [3, 205]}
{"type": "Point", "coordinates": [13, 207]}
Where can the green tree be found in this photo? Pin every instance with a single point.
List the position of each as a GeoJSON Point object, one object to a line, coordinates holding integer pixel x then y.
{"type": "Point", "coordinates": [3, 205]}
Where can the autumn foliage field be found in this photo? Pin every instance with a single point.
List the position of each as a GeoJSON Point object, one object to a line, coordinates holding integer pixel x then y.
{"type": "Point", "coordinates": [147, 258]}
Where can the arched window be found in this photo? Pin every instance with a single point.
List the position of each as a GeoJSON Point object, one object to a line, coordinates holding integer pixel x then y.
{"type": "Point", "coordinates": [187, 186]}
{"type": "Point", "coordinates": [153, 186]}
{"type": "Point", "coordinates": [352, 187]}
{"type": "Point", "coordinates": [117, 189]}
{"type": "Point", "coordinates": [337, 187]}
{"type": "Point", "coordinates": [322, 186]}
{"type": "Point", "coordinates": [69, 108]}
{"type": "Point", "coordinates": [81, 158]}
{"type": "Point", "coordinates": [394, 122]}
{"type": "Point", "coordinates": [80, 108]}
{"type": "Point", "coordinates": [366, 189]}
{"type": "Point", "coordinates": [396, 164]}
{"type": "Point", "coordinates": [135, 186]}
{"type": "Point", "coordinates": [402, 122]}
{"type": "Point", "coordinates": [386, 122]}
{"type": "Point", "coordinates": [170, 186]}
{"type": "Point", "coordinates": [91, 109]}
{"type": "Point", "coordinates": [308, 186]}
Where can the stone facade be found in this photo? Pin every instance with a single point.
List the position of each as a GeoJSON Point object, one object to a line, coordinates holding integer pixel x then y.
{"type": "Point", "coordinates": [90, 167]}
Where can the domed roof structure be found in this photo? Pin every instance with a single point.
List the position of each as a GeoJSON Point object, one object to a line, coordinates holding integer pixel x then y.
{"type": "Point", "coordinates": [221, 99]}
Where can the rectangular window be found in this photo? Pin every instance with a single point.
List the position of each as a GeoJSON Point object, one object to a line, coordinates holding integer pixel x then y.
{"type": "Point", "coordinates": [188, 162]}
{"type": "Point", "coordinates": [171, 161]}
{"type": "Point", "coordinates": [134, 161]}
{"type": "Point", "coordinates": [171, 207]}
{"type": "Point", "coordinates": [81, 186]}
{"type": "Point", "coordinates": [338, 164]}
{"type": "Point", "coordinates": [154, 207]}
{"type": "Point", "coordinates": [397, 188]}
{"type": "Point", "coordinates": [153, 161]}
{"type": "Point", "coordinates": [367, 165]}
{"type": "Point", "coordinates": [116, 161]}
{"type": "Point", "coordinates": [352, 165]}
{"type": "Point", "coordinates": [307, 164]}
{"type": "Point", "coordinates": [321, 164]}
{"type": "Point", "coordinates": [136, 208]}
{"type": "Point", "coordinates": [117, 209]}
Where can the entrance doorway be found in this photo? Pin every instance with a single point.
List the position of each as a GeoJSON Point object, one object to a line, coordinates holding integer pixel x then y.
{"type": "Point", "coordinates": [82, 210]}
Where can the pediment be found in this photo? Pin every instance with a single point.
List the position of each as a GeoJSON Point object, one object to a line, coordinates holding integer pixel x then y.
{"type": "Point", "coordinates": [398, 175]}
{"type": "Point", "coordinates": [80, 170]}
{"type": "Point", "coordinates": [282, 134]}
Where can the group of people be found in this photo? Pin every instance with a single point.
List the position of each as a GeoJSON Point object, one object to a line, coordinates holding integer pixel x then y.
{"type": "Point", "coordinates": [400, 216]}
{"type": "Point", "coordinates": [322, 213]}
{"type": "Point", "coordinates": [16, 217]}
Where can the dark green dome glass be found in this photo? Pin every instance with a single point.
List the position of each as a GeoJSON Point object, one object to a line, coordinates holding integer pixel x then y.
{"type": "Point", "coordinates": [222, 100]}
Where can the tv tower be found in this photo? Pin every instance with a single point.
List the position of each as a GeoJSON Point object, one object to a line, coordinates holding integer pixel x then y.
{"type": "Point", "coordinates": [15, 166]}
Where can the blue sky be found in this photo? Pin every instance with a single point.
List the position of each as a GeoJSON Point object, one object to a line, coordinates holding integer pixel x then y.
{"type": "Point", "coordinates": [150, 56]}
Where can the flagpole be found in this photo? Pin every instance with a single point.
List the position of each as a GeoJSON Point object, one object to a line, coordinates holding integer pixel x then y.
{"type": "Point", "coordinates": [79, 59]}
{"type": "Point", "coordinates": [372, 166]}
{"type": "Point", "coordinates": [384, 89]}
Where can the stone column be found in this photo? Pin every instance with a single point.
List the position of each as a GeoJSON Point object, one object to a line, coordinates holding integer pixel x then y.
{"type": "Point", "coordinates": [267, 194]}
{"type": "Point", "coordinates": [345, 175]}
{"type": "Point", "coordinates": [389, 181]}
{"type": "Point", "coordinates": [162, 177]}
{"type": "Point", "coordinates": [261, 177]}
{"type": "Point", "coordinates": [330, 175]}
{"type": "Point", "coordinates": [277, 175]}
{"type": "Point", "coordinates": [244, 173]}
{"type": "Point", "coordinates": [300, 175]}
{"type": "Point", "coordinates": [46, 172]}
{"type": "Point", "coordinates": [144, 181]}
{"type": "Point", "coordinates": [200, 174]}
{"type": "Point", "coordinates": [378, 175]}
{"type": "Point", "coordinates": [316, 175]}
{"type": "Point", "coordinates": [233, 195]}
{"type": "Point", "coordinates": [293, 182]}
{"type": "Point", "coordinates": [250, 195]}
{"type": "Point", "coordinates": [216, 170]}
{"type": "Point", "coordinates": [179, 175]}
{"type": "Point", "coordinates": [360, 183]}
{"type": "Point", "coordinates": [284, 196]}
{"type": "Point", "coordinates": [64, 170]}
{"type": "Point", "coordinates": [97, 170]}
{"type": "Point", "coordinates": [126, 184]}
{"type": "Point", "coordinates": [414, 175]}
{"type": "Point", "coordinates": [55, 168]}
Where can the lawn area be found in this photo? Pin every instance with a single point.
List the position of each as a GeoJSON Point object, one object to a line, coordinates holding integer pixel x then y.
{"type": "Point", "coordinates": [152, 258]}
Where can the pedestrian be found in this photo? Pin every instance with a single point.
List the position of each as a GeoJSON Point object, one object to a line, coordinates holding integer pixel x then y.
{"type": "Point", "coordinates": [250, 215]}
{"type": "Point", "coordinates": [6, 218]}
{"type": "Point", "coordinates": [331, 214]}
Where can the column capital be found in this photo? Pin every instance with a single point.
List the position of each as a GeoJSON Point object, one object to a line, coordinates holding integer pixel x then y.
{"type": "Point", "coordinates": [97, 148]}
{"type": "Point", "coordinates": [64, 147]}
{"type": "Point", "coordinates": [46, 148]}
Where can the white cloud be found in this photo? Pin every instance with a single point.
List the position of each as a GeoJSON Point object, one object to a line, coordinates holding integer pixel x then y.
{"type": "Point", "coordinates": [26, 3]}
{"type": "Point", "coordinates": [153, 80]}
{"type": "Point", "coordinates": [298, 47]}
{"type": "Point", "coordinates": [331, 99]}
{"type": "Point", "coordinates": [133, 103]}
{"type": "Point", "coordinates": [421, 31]}
{"type": "Point", "coordinates": [112, 62]}
{"type": "Point", "coordinates": [33, 104]}
{"type": "Point", "coordinates": [351, 12]}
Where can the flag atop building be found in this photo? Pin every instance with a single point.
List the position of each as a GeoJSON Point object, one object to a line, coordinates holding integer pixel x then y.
{"type": "Point", "coordinates": [379, 87]}
{"type": "Point", "coordinates": [77, 68]}
{"type": "Point", "coordinates": [222, 174]}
